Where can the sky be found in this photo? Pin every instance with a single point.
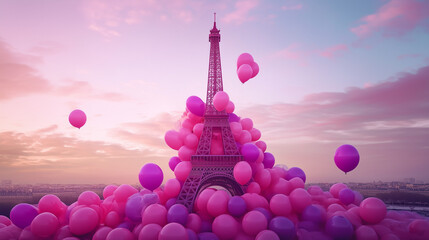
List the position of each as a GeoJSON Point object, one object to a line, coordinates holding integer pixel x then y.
{"type": "Point", "coordinates": [331, 73]}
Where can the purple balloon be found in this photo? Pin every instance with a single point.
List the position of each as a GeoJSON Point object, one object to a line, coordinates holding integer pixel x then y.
{"type": "Point", "coordinates": [151, 176]}
{"type": "Point", "coordinates": [346, 196]}
{"type": "Point", "coordinates": [191, 234]}
{"type": "Point", "coordinates": [23, 214]}
{"type": "Point", "coordinates": [266, 213]}
{"type": "Point", "coordinates": [338, 227]}
{"type": "Point", "coordinates": [309, 226]}
{"type": "Point", "coordinates": [170, 202]}
{"type": "Point", "coordinates": [196, 106]}
{"type": "Point", "coordinates": [206, 226]}
{"type": "Point", "coordinates": [177, 213]}
{"type": "Point", "coordinates": [207, 236]}
{"type": "Point", "coordinates": [250, 152]}
{"type": "Point", "coordinates": [314, 214]}
{"type": "Point", "coordinates": [127, 225]}
{"type": "Point", "coordinates": [237, 206]}
{"type": "Point", "coordinates": [134, 206]}
{"type": "Point", "coordinates": [269, 160]}
{"type": "Point", "coordinates": [173, 162]}
{"type": "Point", "coordinates": [346, 158]}
{"type": "Point", "coordinates": [295, 172]}
{"type": "Point", "coordinates": [232, 117]}
{"type": "Point", "coordinates": [284, 227]}
{"type": "Point", "coordinates": [149, 199]}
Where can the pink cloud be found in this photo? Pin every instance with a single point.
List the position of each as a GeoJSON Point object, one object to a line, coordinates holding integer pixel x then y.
{"type": "Point", "coordinates": [333, 51]}
{"type": "Point", "coordinates": [294, 52]}
{"type": "Point", "coordinates": [395, 18]}
{"type": "Point", "coordinates": [293, 7]}
{"type": "Point", "coordinates": [84, 89]}
{"type": "Point", "coordinates": [241, 12]}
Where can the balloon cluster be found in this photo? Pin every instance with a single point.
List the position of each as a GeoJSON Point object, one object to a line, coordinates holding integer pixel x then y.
{"type": "Point", "coordinates": [247, 68]}
{"type": "Point", "coordinates": [276, 204]}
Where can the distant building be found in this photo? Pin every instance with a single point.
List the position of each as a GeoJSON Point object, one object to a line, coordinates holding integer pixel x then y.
{"type": "Point", "coordinates": [6, 182]}
{"type": "Point", "coordinates": [409, 180]}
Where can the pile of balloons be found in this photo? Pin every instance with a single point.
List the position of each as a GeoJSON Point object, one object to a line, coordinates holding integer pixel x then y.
{"type": "Point", "coordinates": [276, 204]}
{"type": "Point", "coordinates": [247, 68]}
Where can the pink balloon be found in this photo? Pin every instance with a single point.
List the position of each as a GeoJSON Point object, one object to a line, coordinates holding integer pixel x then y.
{"type": "Point", "coordinates": [172, 188]}
{"type": "Point", "coordinates": [262, 145]}
{"type": "Point", "coordinates": [267, 235]}
{"type": "Point", "coordinates": [195, 105]}
{"type": "Point", "coordinates": [372, 210]}
{"type": "Point", "coordinates": [77, 118]}
{"type": "Point", "coordinates": [236, 129]}
{"type": "Point", "coordinates": [185, 153]}
{"type": "Point", "coordinates": [255, 133]}
{"type": "Point", "coordinates": [182, 170]}
{"type": "Point", "coordinates": [120, 233]}
{"type": "Point", "coordinates": [198, 129]}
{"type": "Point", "coordinates": [112, 219]}
{"type": "Point", "coordinates": [299, 199]}
{"type": "Point", "coordinates": [108, 190]}
{"type": "Point", "coordinates": [194, 222]}
{"type": "Point", "coordinates": [366, 233]}
{"type": "Point", "coordinates": [191, 141]}
{"type": "Point", "coordinates": [51, 203]}
{"type": "Point", "coordinates": [183, 132]}
{"type": "Point", "coordinates": [255, 69]}
{"type": "Point", "coordinates": [172, 138]}
{"type": "Point", "coordinates": [230, 107]}
{"type": "Point", "coordinates": [5, 220]}
{"type": "Point", "coordinates": [263, 177]}
{"type": "Point", "coordinates": [155, 213]}
{"type": "Point", "coordinates": [280, 186]}
{"type": "Point", "coordinates": [336, 188]}
{"type": "Point", "coordinates": [244, 58]}
{"type": "Point", "coordinates": [83, 221]}
{"type": "Point", "coordinates": [88, 198]}
{"type": "Point", "coordinates": [187, 123]}
{"type": "Point", "coordinates": [297, 182]}
{"type": "Point", "coordinates": [346, 196]}
{"type": "Point", "coordinates": [280, 205]}
{"type": "Point", "coordinates": [62, 233]}
{"type": "Point", "coordinates": [45, 225]}
{"type": "Point", "coordinates": [101, 233]}
{"type": "Point", "coordinates": [250, 152]}
{"type": "Point", "coordinates": [254, 222]}
{"type": "Point", "coordinates": [218, 203]}
{"type": "Point", "coordinates": [150, 232]}
{"type": "Point", "coordinates": [244, 72]}
{"type": "Point", "coordinates": [254, 188]}
{"type": "Point", "coordinates": [225, 226]}
{"type": "Point", "coordinates": [242, 172]}
{"type": "Point", "coordinates": [245, 137]}
{"type": "Point", "coordinates": [346, 158]}
{"type": "Point", "coordinates": [123, 192]}
{"type": "Point", "coordinates": [173, 231]}
{"type": "Point", "coordinates": [246, 123]}
{"type": "Point", "coordinates": [203, 198]}
{"type": "Point", "coordinates": [254, 200]}
{"type": "Point", "coordinates": [220, 100]}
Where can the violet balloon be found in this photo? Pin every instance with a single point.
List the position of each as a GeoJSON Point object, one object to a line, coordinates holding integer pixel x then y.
{"type": "Point", "coordinates": [177, 213]}
{"type": "Point", "coordinates": [346, 158]}
{"type": "Point", "coordinates": [250, 152]}
{"type": "Point", "coordinates": [232, 117]}
{"type": "Point", "coordinates": [196, 106]}
{"type": "Point", "coordinates": [151, 176]}
{"type": "Point", "coordinates": [172, 163]}
{"type": "Point", "coordinates": [133, 207]}
{"type": "Point", "coordinates": [77, 118]}
{"type": "Point", "coordinates": [346, 196]}
{"type": "Point", "coordinates": [23, 214]}
{"type": "Point", "coordinates": [338, 227]}
{"type": "Point", "coordinates": [269, 160]}
{"type": "Point", "coordinates": [295, 172]}
{"type": "Point", "coordinates": [236, 206]}
{"type": "Point", "coordinates": [283, 227]}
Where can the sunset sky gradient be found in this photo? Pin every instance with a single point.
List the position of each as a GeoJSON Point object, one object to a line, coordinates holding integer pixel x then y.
{"type": "Point", "coordinates": [331, 73]}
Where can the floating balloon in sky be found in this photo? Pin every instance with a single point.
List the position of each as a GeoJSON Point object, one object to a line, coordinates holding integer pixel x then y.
{"type": "Point", "coordinates": [247, 68]}
{"type": "Point", "coordinates": [77, 118]}
{"type": "Point", "coordinates": [346, 158]}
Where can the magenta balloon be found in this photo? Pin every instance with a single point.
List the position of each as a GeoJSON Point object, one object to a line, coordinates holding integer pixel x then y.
{"type": "Point", "coordinates": [372, 210]}
{"type": "Point", "coordinates": [182, 170]}
{"type": "Point", "coordinates": [177, 213]}
{"type": "Point", "coordinates": [23, 214]}
{"type": "Point", "coordinates": [246, 123]}
{"type": "Point", "coordinates": [203, 198]}
{"type": "Point", "coordinates": [151, 176]}
{"type": "Point", "coordinates": [225, 226]}
{"type": "Point", "coordinates": [346, 196]}
{"type": "Point", "coordinates": [191, 141]}
{"type": "Point", "coordinates": [195, 105]}
{"type": "Point", "coordinates": [218, 203]}
{"type": "Point", "coordinates": [366, 232]}
{"type": "Point", "coordinates": [299, 199]}
{"type": "Point", "coordinates": [88, 198]}
{"type": "Point", "coordinates": [263, 177]}
{"type": "Point", "coordinates": [244, 58]}
{"type": "Point", "coordinates": [120, 233]}
{"type": "Point", "coordinates": [112, 219]}
{"type": "Point", "coordinates": [280, 205]}
{"type": "Point", "coordinates": [242, 172]}
{"type": "Point", "coordinates": [173, 140]}
{"type": "Point", "coordinates": [150, 232]}
{"type": "Point", "coordinates": [77, 118]}
{"type": "Point", "coordinates": [267, 235]}
{"type": "Point", "coordinates": [346, 158]}
{"type": "Point", "coordinates": [232, 117]}
{"type": "Point", "coordinates": [198, 129]}
{"type": "Point", "coordinates": [51, 203]}
{"type": "Point", "coordinates": [255, 133]}
{"type": "Point", "coordinates": [83, 221]}
{"type": "Point", "coordinates": [255, 69]}
{"type": "Point", "coordinates": [185, 153]}
{"type": "Point", "coordinates": [194, 222]}
{"type": "Point", "coordinates": [250, 152]}
{"type": "Point", "coordinates": [254, 222]}
{"type": "Point", "coordinates": [101, 233]}
{"type": "Point", "coordinates": [108, 190]}
{"type": "Point", "coordinates": [123, 192]}
{"type": "Point", "coordinates": [244, 72]}
{"type": "Point", "coordinates": [269, 160]}
{"type": "Point", "coordinates": [155, 213]}
{"type": "Point", "coordinates": [230, 107]}
{"type": "Point", "coordinates": [173, 231]}
{"type": "Point", "coordinates": [45, 225]}
{"type": "Point", "coordinates": [173, 162]}
{"type": "Point", "coordinates": [220, 100]}
{"type": "Point", "coordinates": [172, 188]}
{"type": "Point", "coordinates": [336, 188]}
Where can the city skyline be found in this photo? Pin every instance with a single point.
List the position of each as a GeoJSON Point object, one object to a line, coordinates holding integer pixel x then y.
{"type": "Point", "coordinates": [344, 72]}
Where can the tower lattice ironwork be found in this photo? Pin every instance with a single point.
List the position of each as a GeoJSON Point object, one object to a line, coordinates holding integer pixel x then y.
{"type": "Point", "coordinates": [208, 169]}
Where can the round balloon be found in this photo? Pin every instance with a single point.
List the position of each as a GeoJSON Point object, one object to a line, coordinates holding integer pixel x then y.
{"type": "Point", "coordinates": [151, 176]}
{"type": "Point", "coordinates": [195, 105]}
{"type": "Point", "coordinates": [77, 118]}
{"type": "Point", "coordinates": [23, 214]}
{"type": "Point", "coordinates": [244, 58]}
{"type": "Point", "coordinates": [244, 73]}
{"type": "Point", "coordinates": [346, 158]}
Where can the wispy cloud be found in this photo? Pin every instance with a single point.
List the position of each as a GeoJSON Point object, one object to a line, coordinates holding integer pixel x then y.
{"type": "Point", "coordinates": [295, 52]}
{"type": "Point", "coordinates": [333, 51]}
{"type": "Point", "coordinates": [241, 13]}
{"type": "Point", "coordinates": [395, 18]}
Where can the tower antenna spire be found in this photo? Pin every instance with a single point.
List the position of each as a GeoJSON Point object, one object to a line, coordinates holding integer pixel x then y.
{"type": "Point", "coordinates": [215, 17]}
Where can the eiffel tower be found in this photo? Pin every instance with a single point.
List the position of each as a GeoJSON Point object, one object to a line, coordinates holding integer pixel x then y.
{"type": "Point", "coordinates": [208, 169]}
